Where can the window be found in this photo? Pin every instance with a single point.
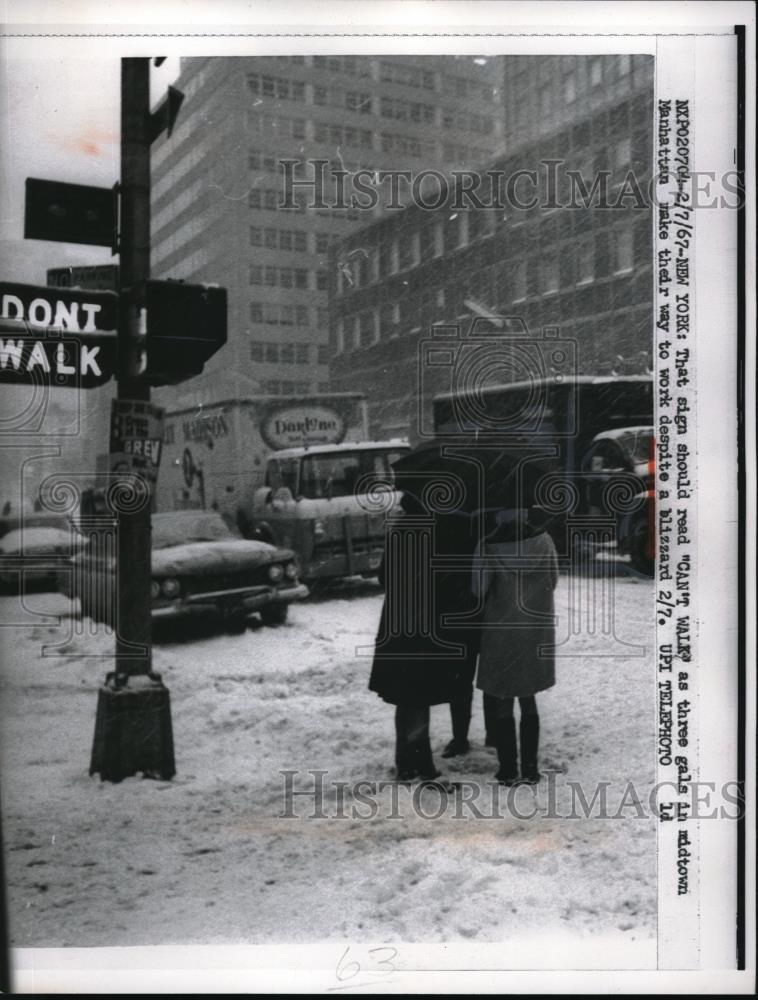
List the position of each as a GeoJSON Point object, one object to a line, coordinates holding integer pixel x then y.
{"type": "Point", "coordinates": [622, 154]}
{"type": "Point", "coordinates": [545, 99]}
{"type": "Point", "coordinates": [256, 312]}
{"type": "Point", "coordinates": [256, 352]}
{"type": "Point", "coordinates": [287, 354]}
{"type": "Point", "coordinates": [322, 242]}
{"type": "Point", "coordinates": [405, 245]}
{"type": "Point", "coordinates": [427, 242]}
{"type": "Point", "coordinates": [569, 88]}
{"type": "Point", "coordinates": [550, 273]}
{"type": "Point", "coordinates": [322, 317]}
{"type": "Point", "coordinates": [623, 250]}
{"type": "Point", "coordinates": [585, 261]}
{"type": "Point", "coordinates": [256, 274]}
{"type": "Point", "coordinates": [271, 238]}
{"type": "Point", "coordinates": [358, 102]}
{"type": "Point", "coordinates": [271, 352]}
{"type": "Point", "coordinates": [519, 281]}
{"type": "Point", "coordinates": [301, 315]}
{"type": "Point", "coordinates": [322, 280]}
{"type": "Point", "coordinates": [323, 354]}
{"type": "Point", "coordinates": [351, 333]}
{"type": "Point", "coordinates": [302, 353]}
{"type": "Point", "coordinates": [256, 236]}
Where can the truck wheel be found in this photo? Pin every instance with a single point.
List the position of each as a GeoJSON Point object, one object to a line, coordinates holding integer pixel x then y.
{"type": "Point", "coordinates": [274, 614]}
{"type": "Point", "coordinates": [638, 548]}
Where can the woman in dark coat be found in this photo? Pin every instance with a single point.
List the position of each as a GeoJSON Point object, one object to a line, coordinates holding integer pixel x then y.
{"type": "Point", "coordinates": [516, 572]}
{"type": "Point", "coordinates": [421, 658]}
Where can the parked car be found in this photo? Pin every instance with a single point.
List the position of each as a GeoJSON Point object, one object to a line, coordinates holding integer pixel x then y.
{"type": "Point", "coordinates": [34, 549]}
{"type": "Point", "coordinates": [625, 454]}
{"type": "Point", "coordinates": [201, 566]}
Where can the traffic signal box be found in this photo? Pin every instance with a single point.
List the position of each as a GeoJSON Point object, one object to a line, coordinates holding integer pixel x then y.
{"type": "Point", "coordinates": [185, 326]}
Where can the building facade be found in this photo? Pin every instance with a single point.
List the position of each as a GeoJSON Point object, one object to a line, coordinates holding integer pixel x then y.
{"type": "Point", "coordinates": [560, 238]}
{"type": "Point", "coordinates": [217, 189]}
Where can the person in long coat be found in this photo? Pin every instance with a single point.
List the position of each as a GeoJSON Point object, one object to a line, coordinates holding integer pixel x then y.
{"type": "Point", "coordinates": [515, 573]}
{"type": "Point", "coordinates": [421, 659]}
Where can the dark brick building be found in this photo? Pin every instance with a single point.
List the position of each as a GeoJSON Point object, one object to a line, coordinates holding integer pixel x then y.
{"type": "Point", "coordinates": [546, 246]}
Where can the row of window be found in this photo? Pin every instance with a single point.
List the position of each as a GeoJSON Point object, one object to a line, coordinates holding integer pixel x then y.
{"type": "Point", "coordinates": [287, 277]}
{"type": "Point", "coordinates": [406, 111]}
{"type": "Point", "coordinates": [405, 75]}
{"type": "Point", "coordinates": [291, 239]}
{"type": "Point", "coordinates": [261, 85]}
{"type": "Point", "coordinates": [279, 239]}
{"type": "Point", "coordinates": [281, 314]}
{"type": "Point", "coordinates": [467, 121]}
{"type": "Point", "coordinates": [350, 100]}
{"type": "Point", "coordinates": [521, 279]}
{"type": "Point", "coordinates": [289, 353]}
{"type": "Point", "coordinates": [465, 87]}
{"type": "Point", "coordinates": [279, 125]}
{"type": "Point", "coordinates": [343, 135]}
{"type": "Point", "coordinates": [350, 65]}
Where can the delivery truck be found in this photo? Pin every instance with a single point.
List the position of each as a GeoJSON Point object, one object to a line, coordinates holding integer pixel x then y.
{"type": "Point", "coordinates": [298, 472]}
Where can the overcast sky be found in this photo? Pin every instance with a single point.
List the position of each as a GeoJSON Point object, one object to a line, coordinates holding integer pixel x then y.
{"type": "Point", "coordinates": [60, 121]}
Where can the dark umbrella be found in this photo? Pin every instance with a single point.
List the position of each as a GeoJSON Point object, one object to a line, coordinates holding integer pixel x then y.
{"type": "Point", "coordinates": [486, 476]}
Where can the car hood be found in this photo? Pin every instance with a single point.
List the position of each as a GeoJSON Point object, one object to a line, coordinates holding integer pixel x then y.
{"type": "Point", "coordinates": [213, 557]}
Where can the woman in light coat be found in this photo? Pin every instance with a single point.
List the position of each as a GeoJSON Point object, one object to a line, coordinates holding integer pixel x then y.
{"type": "Point", "coordinates": [515, 573]}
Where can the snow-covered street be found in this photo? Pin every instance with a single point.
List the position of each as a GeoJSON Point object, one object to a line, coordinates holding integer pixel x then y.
{"type": "Point", "coordinates": [208, 857]}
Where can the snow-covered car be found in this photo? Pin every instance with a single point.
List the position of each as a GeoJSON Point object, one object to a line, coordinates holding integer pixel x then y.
{"type": "Point", "coordinates": [201, 566]}
{"type": "Point", "coordinates": [34, 550]}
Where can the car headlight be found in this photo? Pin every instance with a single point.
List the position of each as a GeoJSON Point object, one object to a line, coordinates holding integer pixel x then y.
{"type": "Point", "coordinates": [155, 589]}
{"type": "Point", "coordinates": [290, 571]}
{"type": "Point", "coordinates": [170, 587]}
{"type": "Point", "coordinates": [275, 572]}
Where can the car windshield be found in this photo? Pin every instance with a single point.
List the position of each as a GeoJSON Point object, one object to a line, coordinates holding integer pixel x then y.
{"type": "Point", "coordinates": [343, 473]}
{"type": "Point", "coordinates": [181, 528]}
{"type": "Point", "coordinates": [637, 444]}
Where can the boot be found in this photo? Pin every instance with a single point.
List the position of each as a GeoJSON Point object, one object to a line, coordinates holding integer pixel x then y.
{"type": "Point", "coordinates": [529, 733]}
{"type": "Point", "coordinates": [490, 720]}
{"type": "Point", "coordinates": [505, 734]}
{"type": "Point", "coordinates": [460, 715]}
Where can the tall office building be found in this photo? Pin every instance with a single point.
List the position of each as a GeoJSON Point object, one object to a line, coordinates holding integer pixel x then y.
{"type": "Point", "coordinates": [217, 187]}
{"type": "Point", "coordinates": [544, 257]}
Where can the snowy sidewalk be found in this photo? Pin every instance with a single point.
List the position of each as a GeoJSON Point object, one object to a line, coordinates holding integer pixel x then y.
{"type": "Point", "coordinates": [207, 858]}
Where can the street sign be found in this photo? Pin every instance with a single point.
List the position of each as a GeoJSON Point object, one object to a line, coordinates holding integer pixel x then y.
{"type": "Point", "coordinates": [186, 325]}
{"type": "Point", "coordinates": [96, 277]}
{"type": "Point", "coordinates": [165, 115]}
{"type": "Point", "coordinates": [70, 213]}
{"type": "Point", "coordinates": [55, 337]}
{"type": "Point", "coordinates": [136, 438]}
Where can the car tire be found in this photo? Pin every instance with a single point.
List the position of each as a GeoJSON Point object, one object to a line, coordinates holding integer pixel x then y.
{"type": "Point", "coordinates": [274, 614]}
{"type": "Point", "coordinates": [236, 625]}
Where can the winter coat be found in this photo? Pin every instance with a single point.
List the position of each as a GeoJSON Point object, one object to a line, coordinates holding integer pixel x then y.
{"type": "Point", "coordinates": [516, 658]}
{"type": "Point", "coordinates": [420, 659]}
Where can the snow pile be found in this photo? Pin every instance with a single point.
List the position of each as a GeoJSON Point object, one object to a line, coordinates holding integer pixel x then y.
{"type": "Point", "coordinates": [209, 858]}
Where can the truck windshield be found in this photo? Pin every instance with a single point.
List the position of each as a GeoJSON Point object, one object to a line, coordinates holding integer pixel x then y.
{"type": "Point", "coordinates": [346, 473]}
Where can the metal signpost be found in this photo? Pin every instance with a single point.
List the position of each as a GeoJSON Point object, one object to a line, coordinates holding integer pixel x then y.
{"type": "Point", "coordinates": [147, 333]}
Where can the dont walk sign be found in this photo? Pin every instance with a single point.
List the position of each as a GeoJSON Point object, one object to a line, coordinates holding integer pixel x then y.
{"type": "Point", "coordinates": [57, 337]}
